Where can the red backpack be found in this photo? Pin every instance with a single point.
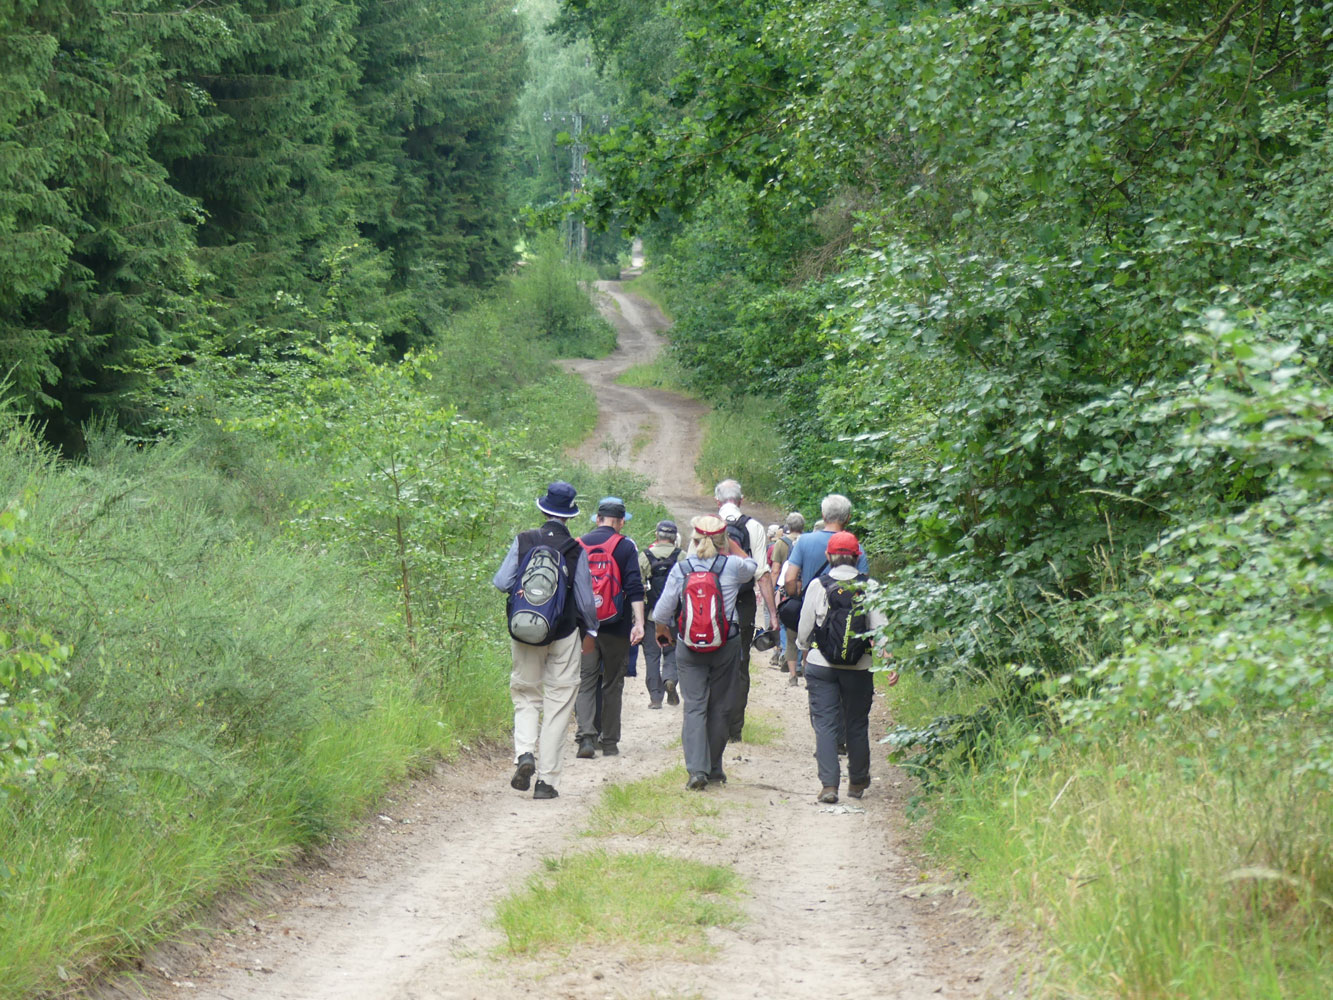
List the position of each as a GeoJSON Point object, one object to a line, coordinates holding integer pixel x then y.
{"type": "Point", "coordinates": [607, 592]}
{"type": "Point", "coordinates": [703, 621]}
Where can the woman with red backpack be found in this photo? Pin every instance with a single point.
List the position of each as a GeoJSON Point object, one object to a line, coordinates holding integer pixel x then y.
{"type": "Point", "coordinates": [700, 595]}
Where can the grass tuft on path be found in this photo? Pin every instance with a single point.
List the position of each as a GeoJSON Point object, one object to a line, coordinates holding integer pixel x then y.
{"type": "Point", "coordinates": [646, 905]}
{"type": "Point", "coordinates": [658, 803]}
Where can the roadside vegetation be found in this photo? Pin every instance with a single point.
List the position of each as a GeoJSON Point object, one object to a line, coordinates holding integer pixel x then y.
{"type": "Point", "coordinates": [220, 646]}
{"type": "Point", "coordinates": [1047, 291]}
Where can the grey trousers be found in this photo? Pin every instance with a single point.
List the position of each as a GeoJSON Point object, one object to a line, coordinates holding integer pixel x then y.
{"type": "Point", "coordinates": [659, 664]}
{"type": "Point", "coordinates": [837, 694]}
{"type": "Point", "coordinates": [604, 667]}
{"type": "Point", "coordinates": [740, 686]}
{"type": "Point", "coordinates": [705, 694]}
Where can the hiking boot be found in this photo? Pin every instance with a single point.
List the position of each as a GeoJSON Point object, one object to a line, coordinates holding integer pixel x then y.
{"type": "Point", "coordinates": [655, 703]}
{"type": "Point", "coordinates": [544, 791]}
{"type": "Point", "coordinates": [857, 788]}
{"type": "Point", "coordinates": [718, 777]}
{"type": "Point", "coordinates": [842, 749]}
{"type": "Point", "coordinates": [827, 794]}
{"type": "Point", "coordinates": [527, 764]}
{"type": "Point", "coordinates": [672, 697]}
{"type": "Point", "coordinates": [698, 782]}
{"type": "Point", "coordinates": [587, 748]}
{"type": "Point", "coordinates": [609, 749]}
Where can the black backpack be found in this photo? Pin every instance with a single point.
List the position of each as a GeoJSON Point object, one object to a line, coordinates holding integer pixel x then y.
{"type": "Point", "coordinates": [737, 529]}
{"type": "Point", "coordinates": [842, 637]}
{"type": "Point", "coordinates": [658, 570]}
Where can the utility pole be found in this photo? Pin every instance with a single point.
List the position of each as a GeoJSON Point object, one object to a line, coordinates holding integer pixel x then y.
{"type": "Point", "coordinates": [576, 233]}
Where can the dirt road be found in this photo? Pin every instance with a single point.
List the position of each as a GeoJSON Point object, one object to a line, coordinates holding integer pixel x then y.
{"type": "Point", "coordinates": [835, 904]}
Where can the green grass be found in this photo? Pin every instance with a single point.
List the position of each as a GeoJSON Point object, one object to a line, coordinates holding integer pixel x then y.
{"type": "Point", "coordinates": [645, 906]}
{"type": "Point", "coordinates": [664, 373]}
{"type": "Point", "coordinates": [659, 805]}
{"type": "Point", "coordinates": [1156, 866]}
{"type": "Point", "coordinates": [741, 443]}
{"type": "Point", "coordinates": [761, 729]}
{"type": "Point", "coordinates": [647, 286]}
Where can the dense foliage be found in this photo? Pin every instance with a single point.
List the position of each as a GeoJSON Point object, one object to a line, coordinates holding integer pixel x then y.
{"type": "Point", "coordinates": [166, 166]}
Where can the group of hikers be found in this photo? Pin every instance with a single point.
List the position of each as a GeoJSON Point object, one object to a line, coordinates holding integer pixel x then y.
{"type": "Point", "coordinates": [577, 608]}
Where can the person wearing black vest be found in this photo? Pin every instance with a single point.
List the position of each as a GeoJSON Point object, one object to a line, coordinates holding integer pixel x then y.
{"type": "Point", "coordinates": [603, 667]}
{"type": "Point", "coordinates": [545, 679]}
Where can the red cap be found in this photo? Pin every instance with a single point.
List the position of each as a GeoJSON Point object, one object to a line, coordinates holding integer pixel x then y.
{"type": "Point", "coordinates": [843, 543]}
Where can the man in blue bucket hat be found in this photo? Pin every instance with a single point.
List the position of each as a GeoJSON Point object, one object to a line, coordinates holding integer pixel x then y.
{"type": "Point", "coordinates": [550, 605]}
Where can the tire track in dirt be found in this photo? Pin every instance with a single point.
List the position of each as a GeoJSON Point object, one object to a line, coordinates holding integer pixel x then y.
{"type": "Point", "coordinates": [835, 904]}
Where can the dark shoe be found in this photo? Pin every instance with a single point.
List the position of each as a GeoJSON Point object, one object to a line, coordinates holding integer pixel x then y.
{"type": "Point", "coordinates": [654, 704]}
{"type": "Point", "coordinates": [544, 791]}
{"type": "Point", "coordinates": [842, 749]}
{"type": "Point", "coordinates": [826, 794]}
{"type": "Point", "coordinates": [587, 748]}
{"type": "Point", "coordinates": [672, 697]}
{"type": "Point", "coordinates": [857, 788]}
{"type": "Point", "coordinates": [609, 749]}
{"type": "Point", "coordinates": [717, 777]}
{"type": "Point", "coordinates": [527, 764]}
{"type": "Point", "coordinates": [698, 782]}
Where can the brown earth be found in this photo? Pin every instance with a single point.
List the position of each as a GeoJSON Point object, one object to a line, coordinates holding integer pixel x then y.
{"type": "Point", "coordinates": [836, 901]}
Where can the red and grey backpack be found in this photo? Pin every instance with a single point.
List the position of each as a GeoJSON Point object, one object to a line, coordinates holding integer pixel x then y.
{"type": "Point", "coordinates": [702, 622]}
{"type": "Point", "coordinates": [607, 591]}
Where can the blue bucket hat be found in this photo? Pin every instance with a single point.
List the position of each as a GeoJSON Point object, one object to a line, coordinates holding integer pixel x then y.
{"type": "Point", "coordinates": [613, 507]}
{"type": "Point", "coordinates": [559, 500]}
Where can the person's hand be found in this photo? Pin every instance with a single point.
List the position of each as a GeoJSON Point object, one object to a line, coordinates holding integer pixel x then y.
{"type": "Point", "coordinates": [664, 637]}
{"type": "Point", "coordinates": [891, 678]}
{"type": "Point", "coordinates": [589, 643]}
{"type": "Point", "coordinates": [636, 634]}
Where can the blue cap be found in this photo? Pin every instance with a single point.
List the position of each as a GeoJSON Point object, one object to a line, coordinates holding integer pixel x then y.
{"type": "Point", "coordinates": [613, 507]}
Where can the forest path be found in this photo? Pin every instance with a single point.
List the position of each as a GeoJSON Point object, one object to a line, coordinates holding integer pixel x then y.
{"type": "Point", "coordinates": [834, 904]}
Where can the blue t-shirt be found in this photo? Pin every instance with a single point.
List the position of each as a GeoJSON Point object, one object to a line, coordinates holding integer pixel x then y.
{"type": "Point", "coordinates": [810, 556]}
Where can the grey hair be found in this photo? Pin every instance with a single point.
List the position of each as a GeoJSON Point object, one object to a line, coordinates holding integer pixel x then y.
{"type": "Point", "coordinates": [728, 491]}
{"type": "Point", "coordinates": [836, 507]}
{"type": "Point", "coordinates": [795, 522]}
{"type": "Point", "coordinates": [842, 559]}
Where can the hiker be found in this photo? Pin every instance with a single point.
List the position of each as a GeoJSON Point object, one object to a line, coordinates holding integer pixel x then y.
{"type": "Point", "coordinates": [788, 655]}
{"type": "Point", "coordinates": [809, 554]}
{"type": "Point", "coordinates": [751, 536]}
{"type": "Point", "coordinates": [613, 564]}
{"type": "Point", "coordinates": [655, 563]}
{"type": "Point", "coordinates": [700, 600]}
{"type": "Point", "coordinates": [838, 680]}
{"type": "Point", "coordinates": [545, 573]}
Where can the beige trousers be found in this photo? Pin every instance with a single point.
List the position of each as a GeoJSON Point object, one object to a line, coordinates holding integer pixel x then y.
{"type": "Point", "coordinates": [543, 684]}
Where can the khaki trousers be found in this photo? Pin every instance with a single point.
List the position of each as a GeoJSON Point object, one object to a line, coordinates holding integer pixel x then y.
{"type": "Point", "coordinates": [542, 686]}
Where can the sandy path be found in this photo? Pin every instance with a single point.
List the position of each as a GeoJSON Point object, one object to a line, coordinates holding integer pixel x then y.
{"type": "Point", "coordinates": [835, 905]}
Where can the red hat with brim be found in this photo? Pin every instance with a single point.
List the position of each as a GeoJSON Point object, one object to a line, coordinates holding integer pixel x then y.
{"type": "Point", "coordinates": [843, 543]}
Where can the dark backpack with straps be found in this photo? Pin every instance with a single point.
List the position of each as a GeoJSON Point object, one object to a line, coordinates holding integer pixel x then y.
{"type": "Point", "coordinates": [739, 530]}
{"type": "Point", "coordinates": [842, 637]}
{"type": "Point", "coordinates": [659, 568]}
{"type": "Point", "coordinates": [537, 602]}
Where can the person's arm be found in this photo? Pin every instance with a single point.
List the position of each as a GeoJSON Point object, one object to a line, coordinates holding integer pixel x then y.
{"type": "Point", "coordinates": [507, 575]}
{"type": "Point", "coordinates": [810, 610]}
{"type": "Point", "coordinates": [765, 585]}
{"type": "Point", "coordinates": [634, 591]}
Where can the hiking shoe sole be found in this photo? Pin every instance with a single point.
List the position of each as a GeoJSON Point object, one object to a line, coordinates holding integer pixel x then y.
{"type": "Point", "coordinates": [523, 773]}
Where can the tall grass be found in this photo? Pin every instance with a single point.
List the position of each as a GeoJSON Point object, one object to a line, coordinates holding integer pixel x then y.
{"type": "Point", "coordinates": [742, 443]}
{"type": "Point", "coordinates": [1160, 865]}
